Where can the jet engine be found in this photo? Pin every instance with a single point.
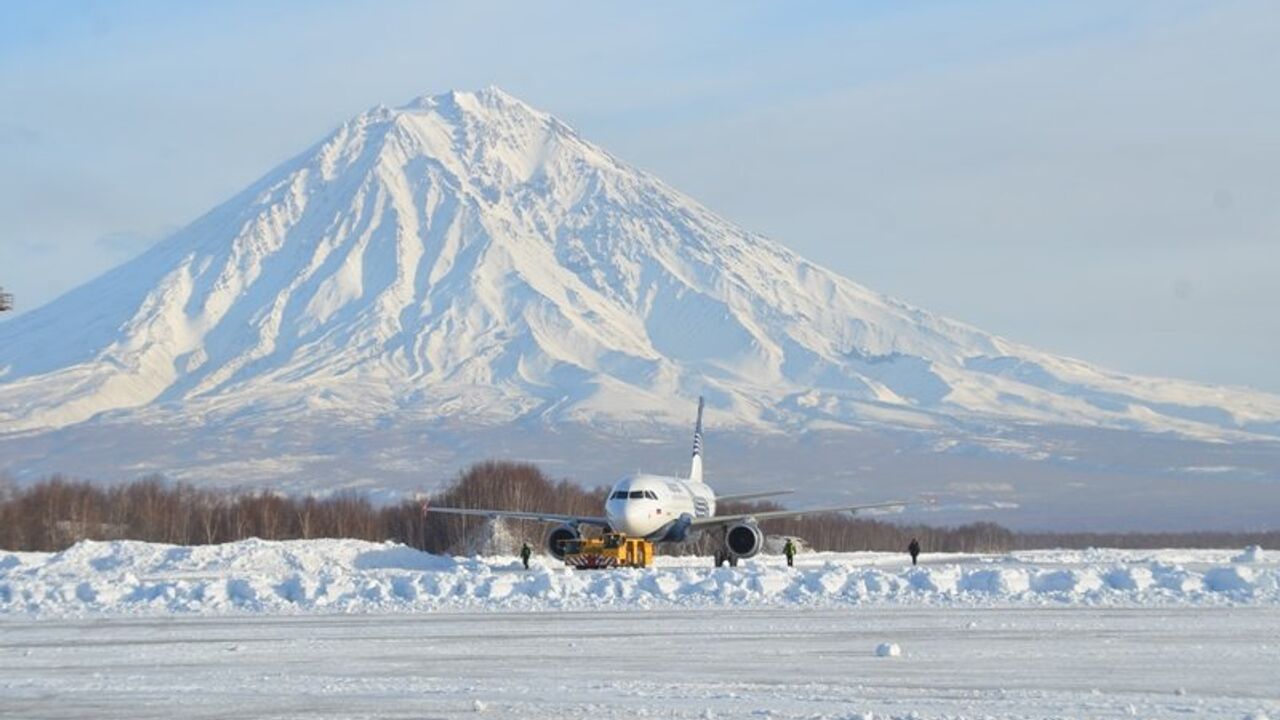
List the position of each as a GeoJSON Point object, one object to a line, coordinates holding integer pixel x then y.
{"type": "Point", "coordinates": [559, 535]}
{"type": "Point", "coordinates": [743, 540]}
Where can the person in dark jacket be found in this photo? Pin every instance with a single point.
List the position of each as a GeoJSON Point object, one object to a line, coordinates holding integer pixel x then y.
{"type": "Point", "coordinates": [914, 549]}
{"type": "Point", "coordinates": [790, 551]}
{"type": "Point", "coordinates": [525, 552]}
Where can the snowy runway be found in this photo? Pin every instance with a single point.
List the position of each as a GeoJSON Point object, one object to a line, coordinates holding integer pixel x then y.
{"type": "Point", "coordinates": [713, 662]}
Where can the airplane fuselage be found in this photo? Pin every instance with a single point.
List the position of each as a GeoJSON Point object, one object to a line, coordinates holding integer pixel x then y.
{"type": "Point", "coordinates": [663, 509]}
{"type": "Point", "coordinates": [657, 508]}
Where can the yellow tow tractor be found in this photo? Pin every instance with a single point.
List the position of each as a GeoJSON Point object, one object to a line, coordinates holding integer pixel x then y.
{"type": "Point", "coordinates": [610, 550]}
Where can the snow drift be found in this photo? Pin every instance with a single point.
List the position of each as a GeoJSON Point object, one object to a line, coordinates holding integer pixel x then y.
{"type": "Point", "coordinates": [254, 576]}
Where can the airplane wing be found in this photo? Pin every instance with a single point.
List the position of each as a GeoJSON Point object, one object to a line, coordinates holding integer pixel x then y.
{"type": "Point", "coordinates": [753, 496]}
{"type": "Point", "coordinates": [714, 520]}
{"type": "Point", "coordinates": [519, 515]}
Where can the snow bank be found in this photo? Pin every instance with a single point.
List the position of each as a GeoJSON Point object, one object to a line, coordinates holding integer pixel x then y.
{"type": "Point", "coordinates": [353, 576]}
{"type": "Point", "coordinates": [1251, 554]}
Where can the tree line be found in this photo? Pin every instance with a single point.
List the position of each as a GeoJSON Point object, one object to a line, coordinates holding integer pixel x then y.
{"type": "Point", "coordinates": [55, 513]}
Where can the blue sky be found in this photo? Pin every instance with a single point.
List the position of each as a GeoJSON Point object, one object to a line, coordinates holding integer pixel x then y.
{"type": "Point", "coordinates": [1099, 179]}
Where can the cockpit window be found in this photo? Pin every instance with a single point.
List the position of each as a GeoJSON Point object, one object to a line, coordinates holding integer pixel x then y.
{"type": "Point", "coordinates": [620, 495]}
{"type": "Point", "coordinates": [650, 494]}
{"type": "Point", "coordinates": [637, 494]}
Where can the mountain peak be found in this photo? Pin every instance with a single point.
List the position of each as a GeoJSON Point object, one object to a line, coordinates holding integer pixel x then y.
{"type": "Point", "coordinates": [494, 94]}
{"type": "Point", "coordinates": [488, 100]}
{"type": "Point", "coordinates": [486, 136]}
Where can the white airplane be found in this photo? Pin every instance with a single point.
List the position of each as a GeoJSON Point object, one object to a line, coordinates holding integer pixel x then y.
{"type": "Point", "coordinates": [668, 509]}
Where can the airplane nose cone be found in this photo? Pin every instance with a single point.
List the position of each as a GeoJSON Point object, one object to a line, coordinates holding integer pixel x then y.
{"type": "Point", "coordinates": [635, 519]}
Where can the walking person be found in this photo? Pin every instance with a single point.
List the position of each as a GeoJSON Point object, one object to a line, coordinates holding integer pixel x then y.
{"type": "Point", "coordinates": [914, 549]}
{"type": "Point", "coordinates": [790, 551]}
{"type": "Point", "coordinates": [525, 552]}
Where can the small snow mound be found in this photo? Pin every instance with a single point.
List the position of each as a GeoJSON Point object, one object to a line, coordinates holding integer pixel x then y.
{"type": "Point", "coordinates": [1129, 578]}
{"type": "Point", "coordinates": [997, 582]}
{"type": "Point", "coordinates": [479, 706]}
{"type": "Point", "coordinates": [888, 650]}
{"type": "Point", "coordinates": [934, 580]}
{"type": "Point", "coordinates": [1251, 554]}
{"type": "Point", "coordinates": [1065, 582]}
{"type": "Point", "coordinates": [1229, 580]}
{"type": "Point", "coordinates": [1257, 716]}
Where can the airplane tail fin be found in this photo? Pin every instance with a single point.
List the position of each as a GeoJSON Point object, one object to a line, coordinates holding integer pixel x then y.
{"type": "Point", "coordinates": [695, 470]}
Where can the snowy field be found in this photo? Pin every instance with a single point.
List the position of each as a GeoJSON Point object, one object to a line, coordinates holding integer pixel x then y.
{"type": "Point", "coordinates": [133, 578]}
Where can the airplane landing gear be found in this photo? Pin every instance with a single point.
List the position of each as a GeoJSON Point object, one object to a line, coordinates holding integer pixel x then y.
{"type": "Point", "coordinates": [723, 557]}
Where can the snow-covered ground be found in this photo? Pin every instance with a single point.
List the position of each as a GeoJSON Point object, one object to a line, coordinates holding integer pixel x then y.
{"type": "Point", "coordinates": [780, 663]}
{"type": "Point", "coordinates": [350, 629]}
{"type": "Point", "coordinates": [112, 578]}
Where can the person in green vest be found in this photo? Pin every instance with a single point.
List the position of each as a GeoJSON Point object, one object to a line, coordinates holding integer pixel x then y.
{"type": "Point", "coordinates": [525, 552]}
{"type": "Point", "coordinates": [790, 551]}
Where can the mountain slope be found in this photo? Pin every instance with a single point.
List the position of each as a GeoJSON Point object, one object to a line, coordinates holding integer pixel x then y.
{"type": "Point", "coordinates": [467, 256]}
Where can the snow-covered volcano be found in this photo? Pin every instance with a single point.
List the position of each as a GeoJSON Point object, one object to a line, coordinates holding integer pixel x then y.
{"type": "Point", "coordinates": [467, 255]}
{"type": "Point", "coordinates": [466, 259]}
